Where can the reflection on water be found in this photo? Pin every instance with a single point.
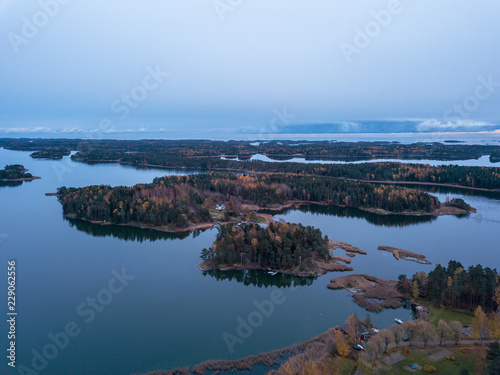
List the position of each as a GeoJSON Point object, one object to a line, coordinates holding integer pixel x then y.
{"type": "Point", "coordinates": [259, 278]}
{"type": "Point", "coordinates": [128, 233]}
{"type": "Point", "coordinates": [375, 219]}
{"type": "Point", "coordinates": [10, 183]}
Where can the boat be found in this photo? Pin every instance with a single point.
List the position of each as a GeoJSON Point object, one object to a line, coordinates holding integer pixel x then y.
{"type": "Point", "coordinates": [358, 347]}
{"type": "Point", "coordinates": [273, 273]}
{"type": "Point", "coordinates": [399, 321]}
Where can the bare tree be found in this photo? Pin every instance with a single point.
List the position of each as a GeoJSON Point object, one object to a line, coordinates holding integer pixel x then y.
{"type": "Point", "coordinates": [386, 338]}
{"type": "Point", "coordinates": [427, 331]}
{"type": "Point", "coordinates": [455, 330]}
{"type": "Point", "coordinates": [443, 331]}
{"type": "Point", "coordinates": [398, 331]}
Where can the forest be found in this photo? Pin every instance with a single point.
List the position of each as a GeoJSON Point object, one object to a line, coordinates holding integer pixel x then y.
{"type": "Point", "coordinates": [14, 172]}
{"type": "Point", "coordinates": [478, 177]}
{"type": "Point", "coordinates": [176, 202]}
{"type": "Point", "coordinates": [221, 155]}
{"type": "Point", "coordinates": [456, 286]}
{"type": "Point", "coordinates": [53, 153]}
{"type": "Point", "coordinates": [280, 246]}
{"type": "Point", "coordinates": [277, 149]}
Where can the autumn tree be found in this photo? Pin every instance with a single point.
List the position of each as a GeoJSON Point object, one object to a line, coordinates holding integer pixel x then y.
{"type": "Point", "coordinates": [427, 331]}
{"type": "Point", "coordinates": [387, 337]}
{"type": "Point", "coordinates": [443, 330]}
{"type": "Point", "coordinates": [479, 324]}
{"type": "Point", "coordinates": [352, 325]}
{"type": "Point", "coordinates": [455, 330]}
{"type": "Point", "coordinates": [398, 331]}
{"type": "Point", "coordinates": [341, 345]}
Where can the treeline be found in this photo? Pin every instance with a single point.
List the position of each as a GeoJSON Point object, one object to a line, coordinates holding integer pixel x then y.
{"type": "Point", "coordinates": [456, 286]}
{"type": "Point", "coordinates": [480, 177]}
{"type": "Point", "coordinates": [52, 153]}
{"type": "Point", "coordinates": [179, 201]}
{"type": "Point", "coordinates": [14, 172]}
{"type": "Point", "coordinates": [204, 154]}
{"type": "Point", "coordinates": [280, 245]}
{"type": "Point", "coordinates": [278, 149]}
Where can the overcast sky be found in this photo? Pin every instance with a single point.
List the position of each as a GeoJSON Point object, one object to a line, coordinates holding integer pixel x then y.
{"type": "Point", "coordinates": [230, 64]}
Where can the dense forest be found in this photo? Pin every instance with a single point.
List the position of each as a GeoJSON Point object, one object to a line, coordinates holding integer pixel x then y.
{"type": "Point", "coordinates": [53, 153]}
{"type": "Point", "coordinates": [14, 172]}
{"type": "Point", "coordinates": [278, 149]}
{"type": "Point", "coordinates": [176, 202]}
{"type": "Point", "coordinates": [280, 246]}
{"type": "Point", "coordinates": [456, 286]}
{"type": "Point", "coordinates": [209, 155]}
{"type": "Point", "coordinates": [479, 177]}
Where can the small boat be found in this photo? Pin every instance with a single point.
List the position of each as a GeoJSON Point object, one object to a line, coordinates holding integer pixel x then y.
{"type": "Point", "coordinates": [358, 347]}
{"type": "Point", "coordinates": [375, 330]}
{"type": "Point", "coordinates": [273, 273]}
{"type": "Point", "coordinates": [399, 321]}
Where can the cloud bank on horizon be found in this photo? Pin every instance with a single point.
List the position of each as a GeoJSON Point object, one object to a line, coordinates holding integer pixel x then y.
{"type": "Point", "coordinates": [249, 67]}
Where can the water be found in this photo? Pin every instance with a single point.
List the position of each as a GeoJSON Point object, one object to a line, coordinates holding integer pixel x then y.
{"type": "Point", "coordinates": [171, 314]}
{"type": "Point", "coordinates": [483, 161]}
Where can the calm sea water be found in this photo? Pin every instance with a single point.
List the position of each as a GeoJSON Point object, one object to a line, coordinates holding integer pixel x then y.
{"type": "Point", "coordinates": [171, 314]}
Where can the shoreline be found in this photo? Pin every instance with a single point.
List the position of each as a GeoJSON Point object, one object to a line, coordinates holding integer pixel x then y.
{"type": "Point", "coordinates": [446, 210]}
{"type": "Point", "coordinates": [387, 182]}
{"type": "Point", "coordinates": [20, 179]}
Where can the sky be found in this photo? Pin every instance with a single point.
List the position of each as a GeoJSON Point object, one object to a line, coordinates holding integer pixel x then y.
{"type": "Point", "coordinates": [249, 66]}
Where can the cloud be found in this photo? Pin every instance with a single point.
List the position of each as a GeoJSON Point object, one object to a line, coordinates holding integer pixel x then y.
{"type": "Point", "coordinates": [435, 125]}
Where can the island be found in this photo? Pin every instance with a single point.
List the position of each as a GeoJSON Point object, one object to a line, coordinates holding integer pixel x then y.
{"type": "Point", "coordinates": [16, 172]}
{"type": "Point", "coordinates": [280, 247]}
{"type": "Point", "coordinates": [191, 202]}
{"type": "Point", "coordinates": [51, 153]}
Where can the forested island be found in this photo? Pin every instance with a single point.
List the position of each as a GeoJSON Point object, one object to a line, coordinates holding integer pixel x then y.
{"type": "Point", "coordinates": [285, 247]}
{"type": "Point", "coordinates": [51, 153]}
{"type": "Point", "coordinates": [16, 172]}
{"type": "Point", "coordinates": [219, 155]}
{"type": "Point", "coordinates": [188, 202]}
{"type": "Point", "coordinates": [275, 149]}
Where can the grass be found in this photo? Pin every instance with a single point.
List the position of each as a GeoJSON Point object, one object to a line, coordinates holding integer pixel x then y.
{"type": "Point", "coordinates": [444, 366]}
{"type": "Point", "coordinates": [438, 313]}
{"type": "Point", "coordinates": [347, 365]}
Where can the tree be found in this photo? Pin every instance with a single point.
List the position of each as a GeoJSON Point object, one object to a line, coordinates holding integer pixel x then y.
{"type": "Point", "coordinates": [415, 292]}
{"type": "Point", "coordinates": [398, 331]}
{"type": "Point", "coordinates": [495, 326]}
{"type": "Point", "coordinates": [427, 331]}
{"type": "Point", "coordinates": [493, 359]}
{"type": "Point", "coordinates": [352, 327]}
{"type": "Point", "coordinates": [455, 330]}
{"type": "Point", "coordinates": [479, 324]}
{"type": "Point", "coordinates": [386, 338]}
{"type": "Point", "coordinates": [365, 368]}
{"type": "Point", "coordinates": [411, 330]}
{"type": "Point", "coordinates": [341, 344]}
{"type": "Point", "coordinates": [443, 331]}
